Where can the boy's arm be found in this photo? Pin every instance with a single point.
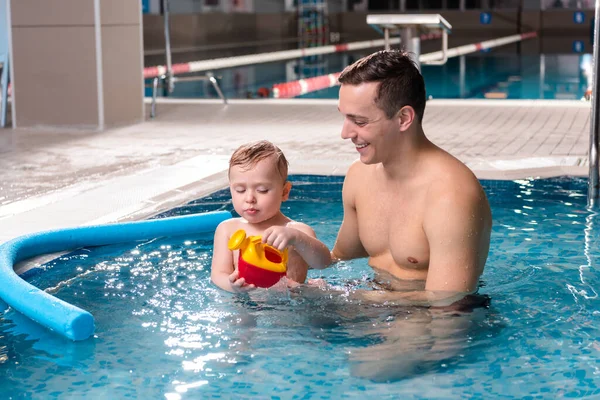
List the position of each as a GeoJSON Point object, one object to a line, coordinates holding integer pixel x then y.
{"type": "Point", "coordinates": [222, 271]}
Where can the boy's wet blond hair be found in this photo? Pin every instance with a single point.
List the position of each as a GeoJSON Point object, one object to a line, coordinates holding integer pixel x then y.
{"type": "Point", "coordinates": [249, 154]}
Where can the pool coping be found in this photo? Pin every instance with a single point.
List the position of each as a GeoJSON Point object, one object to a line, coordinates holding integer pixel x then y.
{"type": "Point", "coordinates": [149, 191]}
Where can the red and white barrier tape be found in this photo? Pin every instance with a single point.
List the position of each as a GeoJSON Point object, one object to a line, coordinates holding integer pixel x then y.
{"type": "Point", "coordinates": [472, 48]}
{"type": "Point", "coordinates": [228, 62]}
{"type": "Point", "coordinates": [303, 86]}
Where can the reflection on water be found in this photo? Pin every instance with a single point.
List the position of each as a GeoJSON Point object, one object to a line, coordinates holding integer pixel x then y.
{"type": "Point", "coordinates": [158, 315]}
{"type": "Point", "coordinates": [164, 330]}
{"type": "Point", "coordinates": [386, 343]}
{"type": "Point", "coordinates": [3, 350]}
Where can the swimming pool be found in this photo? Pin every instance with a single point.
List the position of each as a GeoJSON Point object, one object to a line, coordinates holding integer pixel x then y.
{"type": "Point", "coordinates": [494, 74]}
{"type": "Point", "coordinates": [164, 330]}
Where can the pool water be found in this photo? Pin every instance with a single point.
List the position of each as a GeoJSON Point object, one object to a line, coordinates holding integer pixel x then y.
{"type": "Point", "coordinates": [495, 74]}
{"type": "Point", "coordinates": [164, 331]}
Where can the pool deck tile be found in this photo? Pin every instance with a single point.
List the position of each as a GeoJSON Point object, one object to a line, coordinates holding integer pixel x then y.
{"type": "Point", "coordinates": [53, 178]}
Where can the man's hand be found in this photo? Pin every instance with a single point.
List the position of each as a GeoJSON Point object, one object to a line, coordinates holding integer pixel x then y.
{"type": "Point", "coordinates": [239, 285]}
{"type": "Point", "coordinates": [280, 237]}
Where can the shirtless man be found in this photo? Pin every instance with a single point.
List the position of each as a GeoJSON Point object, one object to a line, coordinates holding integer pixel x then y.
{"type": "Point", "coordinates": [418, 213]}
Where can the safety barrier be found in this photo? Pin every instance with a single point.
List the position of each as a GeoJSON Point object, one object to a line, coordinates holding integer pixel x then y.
{"type": "Point", "coordinates": [472, 48]}
{"type": "Point", "coordinates": [302, 86]}
{"type": "Point", "coordinates": [229, 62]}
{"type": "Point", "coordinates": [66, 319]}
{"type": "Point", "coordinates": [307, 85]}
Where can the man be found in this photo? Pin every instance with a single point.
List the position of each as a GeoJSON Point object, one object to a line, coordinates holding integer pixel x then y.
{"type": "Point", "coordinates": [418, 213]}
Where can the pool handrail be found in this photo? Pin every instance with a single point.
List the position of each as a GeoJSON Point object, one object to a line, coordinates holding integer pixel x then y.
{"type": "Point", "coordinates": [408, 25]}
{"type": "Point", "coordinates": [66, 319]}
{"type": "Point", "coordinates": [593, 194]}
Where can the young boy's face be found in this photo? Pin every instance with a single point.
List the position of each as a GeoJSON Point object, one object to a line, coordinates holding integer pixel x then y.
{"type": "Point", "coordinates": [257, 192]}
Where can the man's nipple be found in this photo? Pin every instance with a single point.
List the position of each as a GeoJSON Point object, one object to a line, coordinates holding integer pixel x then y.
{"type": "Point", "coordinates": [412, 260]}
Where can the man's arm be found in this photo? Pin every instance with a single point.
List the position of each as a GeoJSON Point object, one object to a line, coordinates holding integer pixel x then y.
{"type": "Point", "coordinates": [457, 225]}
{"type": "Point", "coordinates": [348, 245]}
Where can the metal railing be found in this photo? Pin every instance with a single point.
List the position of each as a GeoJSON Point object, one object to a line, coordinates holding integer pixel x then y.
{"type": "Point", "coordinates": [168, 82]}
{"type": "Point", "coordinates": [593, 184]}
{"type": "Point", "coordinates": [168, 79]}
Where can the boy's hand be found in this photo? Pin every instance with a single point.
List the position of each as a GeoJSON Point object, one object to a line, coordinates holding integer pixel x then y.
{"type": "Point", "coordinates": [239, 284]}
{"type": "Point", "coordinates": [280, 237]}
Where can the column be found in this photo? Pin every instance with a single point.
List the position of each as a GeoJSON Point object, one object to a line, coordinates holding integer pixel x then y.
{"type": "Point", "coordinates": [77, 63]}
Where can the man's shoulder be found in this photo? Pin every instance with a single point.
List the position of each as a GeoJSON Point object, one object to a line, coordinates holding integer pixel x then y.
{"type": "Point", "coordinates": [453, 179]}
{"type": "Point", "coordinates": [357, 177]}
{"type": "Point", "coordinates": [359, 170]}
{"type": "Point", "coordinates": [453, 169]}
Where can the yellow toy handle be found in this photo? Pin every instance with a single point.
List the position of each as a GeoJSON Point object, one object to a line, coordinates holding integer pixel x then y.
{"type": "Point", "coordinates": [236, 240]}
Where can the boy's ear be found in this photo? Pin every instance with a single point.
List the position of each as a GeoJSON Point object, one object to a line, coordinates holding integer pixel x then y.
{"type": "Point", "coordinates": [287, 186]}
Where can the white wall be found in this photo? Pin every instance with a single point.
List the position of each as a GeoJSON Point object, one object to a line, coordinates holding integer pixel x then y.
{"type": "Point", "coordinates": [269, 6]}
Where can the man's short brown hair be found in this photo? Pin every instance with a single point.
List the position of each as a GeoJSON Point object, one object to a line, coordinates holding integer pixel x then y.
{"type": "Point", "coordinates": [249, 154]}
{"type": "Point", "coordinates": [400, 82]}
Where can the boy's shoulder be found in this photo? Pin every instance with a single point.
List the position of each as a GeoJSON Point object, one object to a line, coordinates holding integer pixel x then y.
{"type": "Point", "coordinates": [294, 224]}
{"type": "Point", "coordinates": [230, 224]}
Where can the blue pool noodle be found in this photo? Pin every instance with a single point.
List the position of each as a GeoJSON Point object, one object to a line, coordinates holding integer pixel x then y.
{"type": "Point", "coordinates": [62, 317]}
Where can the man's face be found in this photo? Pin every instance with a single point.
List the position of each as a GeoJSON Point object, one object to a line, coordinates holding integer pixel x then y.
{"type": "Point", "coordinates": [257, 192]}
{"type": "Point", "coordinates": [365, 124]}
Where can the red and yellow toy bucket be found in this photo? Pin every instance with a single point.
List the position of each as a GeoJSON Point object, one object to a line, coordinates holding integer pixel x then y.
{"type": "Point", "coordinates": [258, 263]}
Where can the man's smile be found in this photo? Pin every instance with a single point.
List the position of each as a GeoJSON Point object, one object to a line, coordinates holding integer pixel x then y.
{"type": "Point", "coordinates": [360, 146]}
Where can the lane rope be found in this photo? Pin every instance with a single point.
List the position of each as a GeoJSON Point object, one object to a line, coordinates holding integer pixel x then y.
{"type": "Point", "coordinates": [302, 86]}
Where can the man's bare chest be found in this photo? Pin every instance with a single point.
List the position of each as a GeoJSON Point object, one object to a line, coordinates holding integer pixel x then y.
{"type": "Point", "coordinates": [391, 229]}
